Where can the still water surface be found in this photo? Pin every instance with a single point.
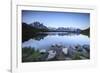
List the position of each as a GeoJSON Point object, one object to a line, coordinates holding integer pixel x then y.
{"type": "Point", "coordinates": [65, 39]}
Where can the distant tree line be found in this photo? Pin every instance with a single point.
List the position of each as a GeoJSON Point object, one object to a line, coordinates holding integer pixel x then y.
{"type": "Point", "coordinates": [86, 32]}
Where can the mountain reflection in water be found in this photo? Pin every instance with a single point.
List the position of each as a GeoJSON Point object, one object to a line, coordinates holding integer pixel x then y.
{"type": "Point", "coordinates": [58, 46]}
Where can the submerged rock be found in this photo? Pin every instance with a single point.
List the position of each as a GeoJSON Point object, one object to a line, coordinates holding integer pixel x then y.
{"type": "Point", "coordinates": [86, 47]}
{"type": "Point", "coordinates": [79, 48]}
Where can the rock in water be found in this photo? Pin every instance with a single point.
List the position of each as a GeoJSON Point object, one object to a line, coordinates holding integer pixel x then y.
{"type": "Point", "coordinates": [51, 55]}
{"type": "Point", "coordinates": [42, 51]}
{"type": "Point", "coordinates": [86, 47]}
{"type": "Point", "coordinates": [65, 50]}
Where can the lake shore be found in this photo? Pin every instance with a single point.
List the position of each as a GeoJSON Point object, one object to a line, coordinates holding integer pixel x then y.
{"type": "Point", "coordinates": [56, 53]}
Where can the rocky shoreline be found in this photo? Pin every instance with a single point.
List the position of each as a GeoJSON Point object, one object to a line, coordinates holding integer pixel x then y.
{"type": "Point", "coordinates": [58, 52]}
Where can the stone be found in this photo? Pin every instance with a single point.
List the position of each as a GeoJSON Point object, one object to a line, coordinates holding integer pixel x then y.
{"type": "Point", "coordinates": [51, 55]}
{"type": "Point", "coordinates": [65, 50]}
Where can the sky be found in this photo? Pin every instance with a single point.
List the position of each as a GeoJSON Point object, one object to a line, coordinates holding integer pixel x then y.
{"type": "Point", "coordinates": [57, 19]}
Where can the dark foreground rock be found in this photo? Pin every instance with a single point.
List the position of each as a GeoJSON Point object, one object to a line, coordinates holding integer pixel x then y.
{"type": "Point", "coordinates": [56, 53]}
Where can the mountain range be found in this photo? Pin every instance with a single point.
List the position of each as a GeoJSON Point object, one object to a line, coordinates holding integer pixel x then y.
{"type": "Point", "coordinates": [40, 26]}
{"type": "Point", "coordinates": [28, 30]}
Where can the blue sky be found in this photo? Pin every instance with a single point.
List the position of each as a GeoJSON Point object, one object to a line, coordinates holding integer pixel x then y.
{"type": "Point", "coordinates": [57, 19]}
